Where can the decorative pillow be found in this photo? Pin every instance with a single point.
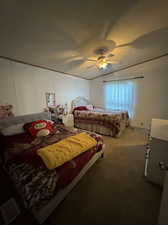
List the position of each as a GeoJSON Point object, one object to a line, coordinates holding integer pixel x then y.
{"type": "Point", "coordinates": [39, 128]}
{"type": "Point", "coordinates": [90, 107]}
{"type": "Point", "coordinates": [12, 130]}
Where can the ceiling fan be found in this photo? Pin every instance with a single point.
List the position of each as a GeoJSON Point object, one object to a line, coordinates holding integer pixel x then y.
{"type": "Point", "coordinates": [103, 60]}
{"type": "Point", "coordinates": [93, 52]}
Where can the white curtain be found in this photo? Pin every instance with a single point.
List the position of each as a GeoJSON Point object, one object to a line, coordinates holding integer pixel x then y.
{"type": "Point", "coordinates": [120, 95]}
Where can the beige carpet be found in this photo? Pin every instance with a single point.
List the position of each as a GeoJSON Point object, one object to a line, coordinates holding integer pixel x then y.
{"type": "Point", "coordinates": [130, 137]}
{"type": "Point", "coordinates": [113, 192]}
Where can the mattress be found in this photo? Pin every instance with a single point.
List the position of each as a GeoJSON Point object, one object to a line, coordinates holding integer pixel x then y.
{"type": "Point", "coordinates": [35, 183]}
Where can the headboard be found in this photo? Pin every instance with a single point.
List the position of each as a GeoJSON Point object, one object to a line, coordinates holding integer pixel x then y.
{"type": "Point", "coordinates": [79, 101]}
{"type": "Point", "coordinates": [24, 119]}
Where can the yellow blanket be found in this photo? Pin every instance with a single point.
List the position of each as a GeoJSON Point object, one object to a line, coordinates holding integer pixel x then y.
{"type": "Point", "coordinates": [63, 151]}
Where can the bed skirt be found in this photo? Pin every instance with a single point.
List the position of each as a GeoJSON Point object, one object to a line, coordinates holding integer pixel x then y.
{"type": "Point", "coordinates": [102, 129]}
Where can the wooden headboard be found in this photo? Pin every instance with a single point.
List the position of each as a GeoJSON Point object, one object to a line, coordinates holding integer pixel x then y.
{"type": "Point", "coordinates": [79, 101]}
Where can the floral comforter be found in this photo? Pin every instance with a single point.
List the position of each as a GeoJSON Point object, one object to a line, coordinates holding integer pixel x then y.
{"type": "Point", "coordinates": [35, 183]}
{"type": "Point", "coordinates": [113, 120]}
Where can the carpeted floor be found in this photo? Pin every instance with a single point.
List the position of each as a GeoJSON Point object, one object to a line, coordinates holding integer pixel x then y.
{"type": "Point", "coordinates": [113, 192]}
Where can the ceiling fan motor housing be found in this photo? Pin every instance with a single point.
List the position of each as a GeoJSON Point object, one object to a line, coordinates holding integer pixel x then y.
{"type": "Point", "coordinates": [101, 51]}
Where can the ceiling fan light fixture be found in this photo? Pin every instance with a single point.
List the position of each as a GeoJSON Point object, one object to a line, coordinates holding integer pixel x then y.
{"type": "Point", "coordinates": [102, 62]}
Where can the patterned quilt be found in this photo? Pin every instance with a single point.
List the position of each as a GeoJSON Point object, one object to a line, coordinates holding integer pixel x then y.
{"type": "Point", "coordinates": [108, 119]}
{"type": "Point", "coordinates": [35, 183]}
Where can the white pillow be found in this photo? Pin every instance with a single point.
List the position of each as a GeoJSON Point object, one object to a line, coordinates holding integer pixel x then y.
{"type": "Point", "coordinates": [89, 107]}
{"type": "Point", "coordinates": [13, 129]}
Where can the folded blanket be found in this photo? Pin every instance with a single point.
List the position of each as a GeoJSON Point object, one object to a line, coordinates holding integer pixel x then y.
{"type": "Point", "coordinates": [65, 150]}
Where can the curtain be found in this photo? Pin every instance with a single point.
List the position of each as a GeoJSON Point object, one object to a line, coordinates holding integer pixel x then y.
{"type": "Point", "coordinates": [120, 95]}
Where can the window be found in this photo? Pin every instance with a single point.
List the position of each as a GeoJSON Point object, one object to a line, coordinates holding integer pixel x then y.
{"type": "Point", "coordinates": [120, 95]}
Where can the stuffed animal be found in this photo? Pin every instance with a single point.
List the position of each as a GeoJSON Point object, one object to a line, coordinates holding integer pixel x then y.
{"type": "Point", "coordinates": [6, 111]}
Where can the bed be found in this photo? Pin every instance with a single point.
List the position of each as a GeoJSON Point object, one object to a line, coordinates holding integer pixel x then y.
{"type": "Point", "coordinates": [98, 120]}
{"type": "Point", "coordinates": [41, 189]}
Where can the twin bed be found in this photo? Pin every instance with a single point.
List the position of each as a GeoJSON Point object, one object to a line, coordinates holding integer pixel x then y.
{"type": "Point", "coordinates": [88, 117]}
{"type": "Point", "coordinates": [42, 189]}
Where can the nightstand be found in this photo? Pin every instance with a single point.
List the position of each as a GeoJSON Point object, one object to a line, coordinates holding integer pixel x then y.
{"type": "Point", "coordinates": [68, 120]}
{"type": "Point", "coordinates": [12, 211]}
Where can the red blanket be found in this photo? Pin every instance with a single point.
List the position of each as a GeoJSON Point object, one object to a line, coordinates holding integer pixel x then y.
{"type": "Point", "coordinates": [36, 184]}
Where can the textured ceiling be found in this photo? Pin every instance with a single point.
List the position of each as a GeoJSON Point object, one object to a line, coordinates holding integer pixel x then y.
{"type": "Point", "coordinates": [62, 35]}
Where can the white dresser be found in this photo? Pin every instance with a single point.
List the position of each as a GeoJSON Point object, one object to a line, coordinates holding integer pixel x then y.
{"type": "Point", "coordinates": [159, 151]}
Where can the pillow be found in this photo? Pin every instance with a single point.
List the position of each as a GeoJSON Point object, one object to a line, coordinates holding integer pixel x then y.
{"type": "Point", "coordinates": [26, 126]}
{"type": "Point", "coordinates": [13, 129]}
{"type": "Point", "coordinates": [80, 108]}
{"type": "Point", "coordinates": [39, 128]}
{"type": "Point", "coordinates": [90, 107]}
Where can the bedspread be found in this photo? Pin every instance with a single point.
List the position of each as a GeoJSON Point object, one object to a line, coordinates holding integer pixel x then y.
{"type": "Point", "coordinates": [114, 121]}
{"type": "Point", "coordinates": [35, 183]}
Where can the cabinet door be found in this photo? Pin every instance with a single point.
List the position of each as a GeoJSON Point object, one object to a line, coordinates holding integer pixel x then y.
{"type": "Point", "coordinates": [159, 153]}
{"type": "Point", "coordinates": [163, 216]}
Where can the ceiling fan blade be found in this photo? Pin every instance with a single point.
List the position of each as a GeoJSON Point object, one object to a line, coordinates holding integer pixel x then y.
{"type": "Point", "coordinates": [113, 62]}
{"type": "Point", "coordinates": [89, 67]}
{"type": "Point", "coordinates": [72, 59]}
{"type": "Point", "coordinates": [110, 55]}
{"type": "Point", "coordinates": [91, 60]}
{"type": "Point", "coordinates": [123, 45]}
{"type": "Point", "coordinates": [74, 64]}
{"type": "Point", "coordinates": [65, 55]}
{"type": "Point", "coordinates": [85, 64]}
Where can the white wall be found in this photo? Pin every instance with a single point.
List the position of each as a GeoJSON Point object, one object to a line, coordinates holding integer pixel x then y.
{"type": "Point", "coordinates": [152, 100]}
{"type": "Point", "coordinates": [25, 86]}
